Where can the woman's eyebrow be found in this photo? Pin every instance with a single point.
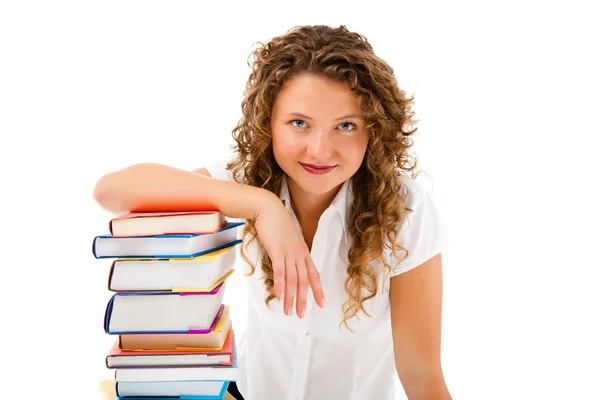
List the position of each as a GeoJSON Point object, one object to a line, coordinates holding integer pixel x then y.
{"type": "Point", "coordinates": [297, 114]}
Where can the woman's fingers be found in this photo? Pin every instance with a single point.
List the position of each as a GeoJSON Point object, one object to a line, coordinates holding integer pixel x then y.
{"type": "Point", "coordinates": [293, 269]}
{"type": "Point", "coordinates": [291, 282]}
{"type": "Point", "coordinates": [314, 280]}
{"type": "Point", "coordinates": [302, 289]}
{"type": "Point", "coordinates": [278, 276]}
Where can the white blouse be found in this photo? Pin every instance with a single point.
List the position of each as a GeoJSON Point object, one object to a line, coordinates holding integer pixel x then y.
{"type": "Point", "coordinates": [284, 357]}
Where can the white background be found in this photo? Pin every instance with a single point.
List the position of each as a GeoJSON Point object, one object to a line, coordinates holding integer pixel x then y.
{"type": "Point", "coordinates": [507, 95]}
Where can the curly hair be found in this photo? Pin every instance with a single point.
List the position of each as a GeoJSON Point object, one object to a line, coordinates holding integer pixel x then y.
{"type": "Point", "coordinates": [378, 208]}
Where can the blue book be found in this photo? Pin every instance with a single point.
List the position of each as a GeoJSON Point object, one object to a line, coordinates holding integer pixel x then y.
{"type": "Point", "coordinates": [216, 388]}
{"type": "Point", "coordinates": [166, 246]}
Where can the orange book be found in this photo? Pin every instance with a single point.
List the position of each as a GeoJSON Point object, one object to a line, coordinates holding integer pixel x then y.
{"type": "Point", "coordinates": [107, 388]}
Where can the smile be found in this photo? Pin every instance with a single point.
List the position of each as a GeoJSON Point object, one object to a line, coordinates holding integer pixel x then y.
{"type": "Point", "coordinates": [317, 169]}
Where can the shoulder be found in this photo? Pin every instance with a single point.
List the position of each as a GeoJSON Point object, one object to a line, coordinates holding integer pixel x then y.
{"type": "Point", "coordinates": [422, 232]}
{"type": "Point", "coordinates": [420, 202]}
{"type": "Point", "coordinates": [219, 168]}
{"type": "Point", "coordinates": [414, 191]}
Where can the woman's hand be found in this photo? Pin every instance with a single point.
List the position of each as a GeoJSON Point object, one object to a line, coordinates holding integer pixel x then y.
{"type": "Point", "coordinates": [293, 268]}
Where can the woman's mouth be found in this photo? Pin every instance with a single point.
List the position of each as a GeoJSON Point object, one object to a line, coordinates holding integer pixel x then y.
{"type": "Point", "coordinates": [317, 169]}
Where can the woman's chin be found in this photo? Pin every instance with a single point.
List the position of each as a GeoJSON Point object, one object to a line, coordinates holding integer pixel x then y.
{"type": "Point", "coordinates": [316, 187]}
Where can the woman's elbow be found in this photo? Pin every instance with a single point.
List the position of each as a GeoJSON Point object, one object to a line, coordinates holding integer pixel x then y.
{"type": "Point", "coordinates": [107, 191]}
{"type": "Point", "coordinates": [425, 385]}
{"type": "Point", "coordinates": [100, 189]}
{"type": "Point", "coordinates": [103, 195]}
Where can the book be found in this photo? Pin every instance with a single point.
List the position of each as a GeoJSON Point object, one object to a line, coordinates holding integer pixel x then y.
{"type": "Point", "coordinates": [165, 246]}
{"type": "Point", "coordinates": [172, 390]}
{"type": "Point", "coordinates": [213, 339]}
{"type": "Point", "coordinates": [160, 312]}
{"type": "Point", "coordinates": [201, 373]}
{"type": "Point", "coordinates": [168, 282]}
{"type": "Point", "coordinates": [108, 391]}
{"type": "Point", "coordinates": [202, 273]}
{"type": "Point", "coordinates": [118, 358]}
{"type": "Point", "coordinates": [166, 223]}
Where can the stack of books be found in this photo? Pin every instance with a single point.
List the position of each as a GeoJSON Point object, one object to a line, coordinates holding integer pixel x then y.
{"type": "Point", "coordinates": [174, 335]}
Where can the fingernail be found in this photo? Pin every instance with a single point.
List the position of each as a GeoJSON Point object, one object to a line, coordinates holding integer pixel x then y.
{"type": "Point", "coordinates": [302, 312]}
{"type": "Point", "coordinates": [280, 295]}
{"type": "Point", "coordinates": [288, 311]}
{"type": "Point", "coordinates": [322, 302]}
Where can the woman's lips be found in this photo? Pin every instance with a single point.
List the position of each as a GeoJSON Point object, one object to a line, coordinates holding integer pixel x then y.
{"type": "Point", "coordinates": [317, 169]}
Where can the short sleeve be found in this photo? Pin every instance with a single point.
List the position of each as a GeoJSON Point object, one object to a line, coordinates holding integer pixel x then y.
{"type": "Point", "coordinates": [218, 169]}
{"type": "Point", "coordinates": [424, 233]}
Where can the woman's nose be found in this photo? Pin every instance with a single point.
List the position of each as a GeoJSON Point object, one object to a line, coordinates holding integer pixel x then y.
{"type": "Point", "coordinates": [319, 145]}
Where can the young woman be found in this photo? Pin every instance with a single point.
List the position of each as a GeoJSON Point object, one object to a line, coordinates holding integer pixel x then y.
{"type": "Point", "coordinates": [343, 246]}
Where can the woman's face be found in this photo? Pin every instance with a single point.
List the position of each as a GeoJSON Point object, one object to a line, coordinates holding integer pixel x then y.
{"type": "Point", "coordinates": [319, 135]}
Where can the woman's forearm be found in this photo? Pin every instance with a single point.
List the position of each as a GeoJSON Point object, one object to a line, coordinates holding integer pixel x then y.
{"type": "Point", "coordinates": [157, 187]}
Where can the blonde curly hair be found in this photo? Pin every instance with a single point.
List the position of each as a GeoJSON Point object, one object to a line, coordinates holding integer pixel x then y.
{"type": "Point", "coordinates": [378, 207]}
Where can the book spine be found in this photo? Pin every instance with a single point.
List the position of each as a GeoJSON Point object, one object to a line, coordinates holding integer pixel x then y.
{"type": "Point", "coordinates": [107, 314]}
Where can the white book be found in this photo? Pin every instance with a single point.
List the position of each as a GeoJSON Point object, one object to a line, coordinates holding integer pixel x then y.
{"type": "Point", "coordinates": [176, 374]}
{"type": "Point", "coordinates": [154, 312]}
{"type": "Point", "coordinates": [201, 272]}
{"type": "Point", "coordinates": [165, 246]}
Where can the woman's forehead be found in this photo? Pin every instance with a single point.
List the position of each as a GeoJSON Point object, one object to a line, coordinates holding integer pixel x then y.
{"type": "Point", "coordinates": [315, 97]}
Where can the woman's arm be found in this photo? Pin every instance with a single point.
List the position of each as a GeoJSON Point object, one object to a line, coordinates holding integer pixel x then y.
{"type": "Point", "coordinates": [157, 187]}
{"type": "Point", "coordinates": [416, 313]}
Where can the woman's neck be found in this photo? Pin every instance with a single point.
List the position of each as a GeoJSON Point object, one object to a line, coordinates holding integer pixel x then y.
{"type": "Point", "coordinates": [309, 207]}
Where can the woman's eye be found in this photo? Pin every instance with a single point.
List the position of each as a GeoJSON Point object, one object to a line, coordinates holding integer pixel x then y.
{"type": "Point", "coordinates": [348, 123]}
{"type": "Point", "coordinates": [297, 120]}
